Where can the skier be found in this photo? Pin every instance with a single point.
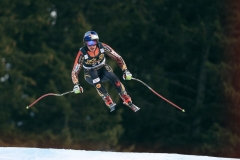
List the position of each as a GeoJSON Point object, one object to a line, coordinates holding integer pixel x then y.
{"type": "Point", "coordinates": [92, 58]}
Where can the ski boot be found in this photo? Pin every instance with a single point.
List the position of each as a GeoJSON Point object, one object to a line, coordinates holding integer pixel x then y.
{"type": "Point", "coordinates": [128, 102]}
{"type": "Point", "coordinates": [108, 101]}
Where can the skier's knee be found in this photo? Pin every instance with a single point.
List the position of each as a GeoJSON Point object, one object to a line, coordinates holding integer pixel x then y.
{"type": "Point", "coordinates": [98, 85]}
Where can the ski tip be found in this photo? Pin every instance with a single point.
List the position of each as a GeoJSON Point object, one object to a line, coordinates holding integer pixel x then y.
{"type": "Point", "coordinates": [27, 107]}
{"type": "Point", "coordinates": [183, 110]}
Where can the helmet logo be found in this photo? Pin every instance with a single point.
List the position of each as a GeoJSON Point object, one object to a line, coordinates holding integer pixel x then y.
{"type": "Point", "coordinates": [92, 36]}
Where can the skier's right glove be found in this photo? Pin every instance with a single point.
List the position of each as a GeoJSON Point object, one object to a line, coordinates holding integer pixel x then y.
{"type": "Point", "coordinates": [77, 88]}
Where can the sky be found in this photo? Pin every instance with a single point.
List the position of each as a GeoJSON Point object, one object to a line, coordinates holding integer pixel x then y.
{"type": "Point", "coordinates": [17, 153]}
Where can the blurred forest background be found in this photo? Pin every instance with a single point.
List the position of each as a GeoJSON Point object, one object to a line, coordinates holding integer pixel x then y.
{"type": "Point", "coordinates": [188, 51]}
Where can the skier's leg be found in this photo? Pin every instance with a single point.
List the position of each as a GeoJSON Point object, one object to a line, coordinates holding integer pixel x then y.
{"type": "Point", "coordinates": [92, 77]}
{"type": "Point", "coordinates": [107, 99]}
{"type": "Point", "coordinates": [108, 73]}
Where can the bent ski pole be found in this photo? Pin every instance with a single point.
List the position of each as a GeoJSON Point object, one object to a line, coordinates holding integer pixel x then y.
{"type": "Point", "coordinates": [159, 94]}
{"type": "Point", "coordinates": [48, 94]}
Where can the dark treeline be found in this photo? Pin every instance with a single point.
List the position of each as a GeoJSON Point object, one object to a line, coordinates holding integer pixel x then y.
{"type": "Point", "coordinates": [185, 50]}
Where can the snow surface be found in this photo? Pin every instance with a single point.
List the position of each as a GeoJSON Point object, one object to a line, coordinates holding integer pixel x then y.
{"type": "Point", "coordinates": [16, 153]}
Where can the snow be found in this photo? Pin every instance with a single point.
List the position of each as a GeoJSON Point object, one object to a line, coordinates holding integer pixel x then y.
{"type": "Point", "coordinates": [17, 153]}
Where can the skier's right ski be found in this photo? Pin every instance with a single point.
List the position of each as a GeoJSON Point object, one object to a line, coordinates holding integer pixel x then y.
{"type": "Point", "coordinates": [112, 107]}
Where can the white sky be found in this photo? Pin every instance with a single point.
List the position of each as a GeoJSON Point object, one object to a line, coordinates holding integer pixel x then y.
{"type": "Point", "coordinates": [15, 153]}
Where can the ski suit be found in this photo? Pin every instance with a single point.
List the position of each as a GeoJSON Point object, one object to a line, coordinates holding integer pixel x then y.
{"type": "Point", "coordinates": [96, 70]}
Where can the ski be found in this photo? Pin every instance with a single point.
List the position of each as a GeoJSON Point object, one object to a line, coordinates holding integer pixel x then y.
{"type": "Point", "coordinates": [112, 107]}
{"type": "Point", "coordinates": [132, 106]}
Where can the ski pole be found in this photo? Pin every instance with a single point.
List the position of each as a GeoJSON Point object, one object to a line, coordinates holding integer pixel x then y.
{"type": "Point", "coordinates": [159, 94]}
{"type": "Point", "coordinates": [48, 94]}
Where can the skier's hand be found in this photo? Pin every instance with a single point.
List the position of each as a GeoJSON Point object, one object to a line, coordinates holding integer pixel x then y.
{"type": "Point", "coordinates": [77, 89]}
{"type": "Point", "coordinates": [127, 75]}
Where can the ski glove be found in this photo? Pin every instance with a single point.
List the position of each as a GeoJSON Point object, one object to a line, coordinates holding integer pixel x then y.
{"type": "Point", "coordinates": [77, 88]}
{"type": "Point", "coordinates": [127, 75]}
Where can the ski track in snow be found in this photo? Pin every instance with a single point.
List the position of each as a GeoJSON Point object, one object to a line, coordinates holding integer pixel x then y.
{"type": "Point", "coordinates": [18, 153]}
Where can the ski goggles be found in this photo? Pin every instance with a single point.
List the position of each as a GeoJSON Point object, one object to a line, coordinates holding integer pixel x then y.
{"type": "Point", "coordinates": [91, 43]}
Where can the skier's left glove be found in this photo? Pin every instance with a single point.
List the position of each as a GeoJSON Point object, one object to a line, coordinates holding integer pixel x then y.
{"type": "Point", "coordinates": [127, 75]}
{"type": "Point", "coordinates": [77, 88]}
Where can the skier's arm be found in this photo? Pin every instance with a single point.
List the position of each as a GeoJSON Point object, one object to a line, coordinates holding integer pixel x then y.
{"type": "Point", "coordinates": [111, 53]}
{"type": "Point", "coordinates": [116, 57]}
{"type": "Point", "coordinates": [77, 67]}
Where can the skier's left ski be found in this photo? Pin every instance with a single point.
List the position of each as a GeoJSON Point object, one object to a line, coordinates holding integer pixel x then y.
{"type": "Point", "coordinates": [132, 106]}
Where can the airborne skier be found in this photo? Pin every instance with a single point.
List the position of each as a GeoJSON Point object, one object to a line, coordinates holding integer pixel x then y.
{"type": "Point", "coordinates": [92, 58]}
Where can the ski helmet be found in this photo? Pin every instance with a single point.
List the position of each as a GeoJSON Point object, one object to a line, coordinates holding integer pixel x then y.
{"type": "Point", "coordinates": [90, 37]}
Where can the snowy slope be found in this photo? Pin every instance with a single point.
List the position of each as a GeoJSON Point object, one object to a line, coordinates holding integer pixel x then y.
{"type": "Point", "coordinates": [15, 153]}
